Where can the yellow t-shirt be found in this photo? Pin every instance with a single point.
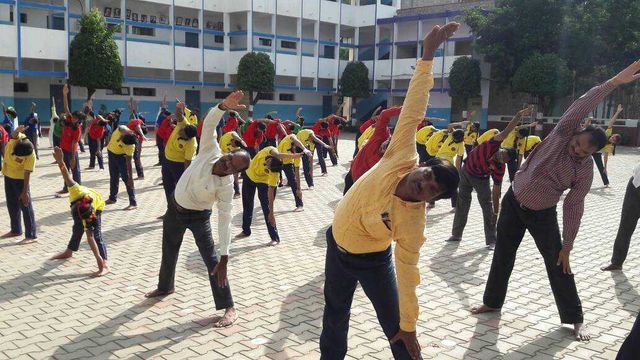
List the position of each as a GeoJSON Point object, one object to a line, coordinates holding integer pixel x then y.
{"type": "Point", "coordinates": [258, 171]}
{"type": "Point", "coordinates": [180, 150]}
{"type": "Point", "coordinates": [192, 119]}
{"type": "Point", "coordinates": [118, 147]}
{"type": "Point", "coordinates": [607, 149]}
{"type": "Point", "coordinates": [14, 166]}
{"type": "Point", "coordinates": [510, 141]}
{"type": "Point", "coordinates": [358, 225]}
{"type": "Point", "coordinates": [532, 140]}
{"type": "Point", "coordinates": [304, 136]}
{"type": "Point", "coordinates": [488, 135]}
{"type": "Point", "coordinates": [364, 137]}
{"type": "Point", "coordinates": [434, 143]}
{"type": "Point", "coordinates": [78, 191]}
{"type": "Point", "coordinates": [423, 135]}
{"type": "Point", "coordinates": [450, 149]}
{"type": "Point", "coordinates": [284, 147]}
{"type": "Point", "coordinates": [469, 136]}
{"type": "Point", "coordinates": [226, 142]}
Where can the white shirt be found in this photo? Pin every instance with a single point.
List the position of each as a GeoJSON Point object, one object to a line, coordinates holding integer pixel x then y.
{"type": "Point", "coordinates": [199, 189]}
{"type": "Point", "coordinates": [636, 176]}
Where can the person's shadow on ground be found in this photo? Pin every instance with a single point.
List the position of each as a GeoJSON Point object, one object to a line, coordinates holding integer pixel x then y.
{"type": "Point", "coordinates": [625, 292]}
{"type": "Point", "coordinates": [35, 281]}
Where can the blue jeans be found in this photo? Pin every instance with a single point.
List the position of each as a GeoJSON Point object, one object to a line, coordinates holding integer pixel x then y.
{"type": "Point", "coordinates": [75, 171]}
{"type": "Point", "coordinates": [95, 151]}
{"type": "Point", "coordinates": [377, 276]}
{"type": "Point", "coordinates": [78, 231]}
{"type": "Point", "coordinates": [117, 171]}
{"type": "Point", "coordinates": [171, 172]}
{"type": "Point", "coordinates": [306, 169]}
{"type": "Point", "coordinates": [248, 195]}
{"type": "Point", "coordinates": [12, 190]}
{"type": "Point", "coordinates": [290, 172]}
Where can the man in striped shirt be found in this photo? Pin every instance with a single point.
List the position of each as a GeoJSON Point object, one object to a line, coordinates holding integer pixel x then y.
{"type": "Point", "coordinates": [486, 160]}
{"type": "Point", "coordinates": [562, 161]}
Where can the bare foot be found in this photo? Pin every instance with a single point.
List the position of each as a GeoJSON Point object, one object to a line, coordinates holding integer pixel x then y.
{"type": "Point", "coordinates": [237, 195]}
{"type": "Point", "coordinates": [581, 332]}
{"type": "Point", "coordinates": [229, 317]}
{"type": "Point", "coordinates": [482, 309]}
{"type": "Point", "coordinates": [130, 207]}
{"type": "Point", "coordinates": [139, 178]}
{"type": "Point", "coordinates": [611, 267]}
{"type": "Point", "coordinates": [109, 202]}
{"type": "Point", "coordinates": [310, 187]}
{"type": "Point", "coordinates": [491, 246]}
{"type": "Point", "coordinates": [62, 192]}
{"type": "Point", "coordinates": [10, 234]}
{"type": "Point", "coordinates": [158, 292]}
{"type": "Point", "coordinates": [161, 217]}
{"type": "Point", "coordinates": [63, 255]}
{"type": "Point", "coordinates": [242, 235]}
{"type": "Point", "coordinates": [454, 238]}
{"type": "Point", "coordinates": [101, 272]}
{"type": "Point", "coordinates": [27, 241]}
{"type": "Point", "coordinates": [298, 209]}
{"type": "Point", "coordinates": [273, 243]}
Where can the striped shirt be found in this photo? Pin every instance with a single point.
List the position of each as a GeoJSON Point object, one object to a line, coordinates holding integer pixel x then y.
{"type": "Point", "coordinates": [550, 170]}
{"type": "Point", "coordinates": [480, 164]}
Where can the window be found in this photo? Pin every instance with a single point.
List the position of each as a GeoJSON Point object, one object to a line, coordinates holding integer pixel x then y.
{"type": "Point", "coordinates": [218, 39]}
{"type": "Point", "coordinates": [57, 22]}
{"type": "Point", "coordinates": [265, 96]}
{"type": "Point", "coordinates": [23, 17]}
{"type": "Point", "coordinates": [463, 48]}
{"type": "Point", "coordinates": [222, 94]}
{"type": "Point", "coordinates": [121, 91]}
{"type": "Point", "coordinates": [136, 30]}
{"type": "Point", "coordinates": [329, 52]}
{"type": "Point", "coordinates": [287, 97]}
{"type": "Point", "coordinates": [264, 42]}
{"type": "Point", "coordinates": [110, 27]}
{"type": "Point", "coordinates": [288, 44]}
{"type": "Point", "coordinates": [144, 91]}
{"type": "Point", "coordinates": [20, 87]}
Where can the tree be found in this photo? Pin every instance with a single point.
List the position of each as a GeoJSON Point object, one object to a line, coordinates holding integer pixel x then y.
{"type": "Point", "coordinates": [354, 82]}
{"type": "Point", "coordinates": [464, 79]}
{"type": "Point", "coordinates": [545, 77]}
{"type": "Point", "coordinates": [94, 60]}
{"type": "Point", "coordinates": [256, 74]}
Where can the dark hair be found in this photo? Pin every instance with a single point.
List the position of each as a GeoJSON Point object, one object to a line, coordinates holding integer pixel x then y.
{"type": "Point", "coordinates": [82, 209]}
{"type": "Point", "coordinates": [292, 127]}
{"type": "Point", "coordinates": [232, 114]}
{"type": "Point", "coordinates": [190, 131]}
{"type": "Point", "coordinates": [476, 126]}
{"type": "Point", "coordinates": [598, 137]}
{"type": "Point", "coordinates": [523, 132]}
{"type": "Point", "coordinates": [336, 121]}
{"type": "Point", "coordinates": [269, 117]}
{"type": "Point", "coordinates": [129, 139]}
{"type": "Point", "coordinates": [23, 148]}
{"type": "Point", "coordinates": [324, 125]}
{"type": "Point", "coordinates": [140, 117]}
{"type": "Point", "coordinates": [510, 152]}
{"type": "Point", "coordinates": [446, 175]}
{"type": "Point", "coordinates": [7, 128]}
{"type": "Point", "coordinates": [262, 127]}
{"type": "Point", "coordinates": [296, 150]}
{"type": "Point", "coordinates": [79, 115]}
{"type": "Point", "coordinates": [166, 113]}
{"type": "Point", "coordinates": [457, 135]}
{"type": "Point", "coordinates": [276, 164]}
{"type": "Point", "coordinates": [428, 123]}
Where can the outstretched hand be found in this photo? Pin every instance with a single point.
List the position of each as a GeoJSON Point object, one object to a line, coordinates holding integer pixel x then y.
{"type": "Point", "coordinates": [57, 154]}
{"type": "Point", "coordinates": [232, 102]}
{"type": "Point", "coordinates": [526, 111]}
{"type": "Point", "coordinates": [628, 75]}
{"type": "Point", "coordinates": [436, 37]}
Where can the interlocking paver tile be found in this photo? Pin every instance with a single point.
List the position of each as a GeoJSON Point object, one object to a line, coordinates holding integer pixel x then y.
{"type": "Point", "coordinates": [52, 309]}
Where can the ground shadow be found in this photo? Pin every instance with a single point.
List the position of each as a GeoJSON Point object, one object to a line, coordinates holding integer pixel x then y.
{"type": "Point", "coordinates": [131, 230]}
{"type": "Point", "coordinates": [563, 335]}
{"type": "Point", "coordinates": [34, 281]}
{"type": "Point", "coordinates": [320, 240]}
{"type": "Point", "coordinates": [602, 192]}
{"type": "Point", "coordinates": [623, 288]}
{"type": "Point", "coordinates": [481, 337]}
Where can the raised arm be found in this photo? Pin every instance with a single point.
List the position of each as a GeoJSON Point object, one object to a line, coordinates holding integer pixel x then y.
{"type": "Point", "coordinates": [513, 123]}
{"type": "Point", "coordinates": [283, 156]}
{"type": "Point", "coordinates": [383, 123]}
{"type": "Point", "coordinates": [613, 119]}
{"type": "Point", "coordinates": [57, 155]}
{"type": "Point", "coordinates": [65, 98]}
{"type": "Point", "coordinates": [297, 143]}
{"type": "Point", "coordinates": [317, 141]}
{"type": "Point", "coordinates": [208, 141]}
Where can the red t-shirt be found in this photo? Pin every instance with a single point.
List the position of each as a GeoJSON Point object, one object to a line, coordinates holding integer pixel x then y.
{"type": "Point", "coordinates": [230, 125]}
{"type": "Point", "coordinates": [249, 135]}
{"type": "Point", "coordinates": [96, 131]}
{"type": "Point", "coordinates": [369, 155]}
{"type": "Point", "coordinates": [133, 124]}
{"type": "Point", "coordinates": [333, 128]}
{"type": "Point", "coordinates": [368, 123]}
{"type": "Point", "coordinates": [4, 136]}
{"type": "Point", "coordinates": [199, 128]}
{"type": "Point", "coordinates": [165, 129]}
{"type": "Point", "coordinates": [320, 131]}
{"type": "Point", "coordinates": [274, 129]}
{"type": "Point", "coordinates": [70, 133]}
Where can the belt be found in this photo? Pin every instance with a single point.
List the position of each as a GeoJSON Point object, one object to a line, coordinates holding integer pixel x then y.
{"type": "Point", "coordinates": [182, 210]}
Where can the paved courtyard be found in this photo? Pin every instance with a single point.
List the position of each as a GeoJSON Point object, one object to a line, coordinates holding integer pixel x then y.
{"type": "Point", "coordinates": [52, 309]}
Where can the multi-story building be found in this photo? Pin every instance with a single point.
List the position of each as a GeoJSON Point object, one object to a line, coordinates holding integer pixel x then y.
{"type": "Point", "coordinates": [190, 49]}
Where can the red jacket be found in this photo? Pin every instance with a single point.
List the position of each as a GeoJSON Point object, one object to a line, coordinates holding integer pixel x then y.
{"type": "Point", "coordinates": [321, 132]}
{"type": "Point", "coordinates": [369, 155]}
{"type": "Point", "coordinates": [274, 129]}
{"type": "Point", "coordinates": [252, 135]}
{"type": "Point", "coordinates": [96, 130]}
{"type": "Point", "coordinates": [165, 129]}
{"type": "Point", "coordinates": [133, 124]}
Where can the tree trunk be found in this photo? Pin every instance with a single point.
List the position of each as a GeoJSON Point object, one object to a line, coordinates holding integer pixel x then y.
{"type": "Point", "coordinates": [90, 92]}
{"type": "Point", "coordinates": [251, 103]}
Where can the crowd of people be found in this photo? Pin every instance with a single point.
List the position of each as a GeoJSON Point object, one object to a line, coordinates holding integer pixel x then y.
{"type": "Point", "coordinates": [395, 176]}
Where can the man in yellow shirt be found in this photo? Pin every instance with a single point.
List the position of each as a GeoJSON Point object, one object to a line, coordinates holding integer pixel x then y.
{"type": "Point", "coordinates": [229, 142]}
{"type": "Point", "coordinates": [291, 167]}
{"type": "Point", "coordinates": [263, 174]}
{"type": "Point", "coordinates": [453, 148]}
{"type": "Point", "coordinates": [487, 135]}
{"type": "Point", "coordinates": [526, 144]}
{"type": "Point", "coordinates": [19, 162]}
{"type": "Point", "coordinates": [86, 209]}
{"type": "Point", "coordinates": [387, 203]}
{"type": "Point", "coordinates": [422, 137]}
{"type": "Point", "coordinates": [471, 134]}
{"type": "Point", "coordinates": [510, 143]}
{"type": "Point", "coordinates": [614, 139]}
{"type": "Point", "coordinates": [121, 148]}
{"type": "Point", "coordinates": [179, 151]}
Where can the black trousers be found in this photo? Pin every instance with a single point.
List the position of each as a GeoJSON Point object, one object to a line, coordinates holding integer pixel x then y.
{"type": "Point", "coordinates": [78, 230]}
{"type": "Point", "coordinates": [117, 171]}
{"type": "Point", "coordinates": [290, 172]}
{"type": "Point", "coordinates": [171, 172]}
{"type": "Point", "coordinates": [12, 190]}
{"type": "Point", "coordinates": [160, 146]}
{"type": "Point", "coordinates": [248, 196]}
{"type": "Point", "coordinates": [482, 187]}
{"type": "Point", "coordinates": [631, 346]}
{"type": "Point", "coordinates": [512, 165]}
{"type": "Point", "coordinates": [95, 152]}
{"type": "Point", "coordinates": [174, 225]}
{"type": "Point", "coordinates": [597, 158]}
{"type": "Point", "coordinates": [348, 182]}
{"type": "Point", "coordinates": [332, 155]}
{"type": "Point", "coordinates": [423, 155]}
{"type": "Point", "coordinates": [543, 226]}
{"type": "Point", "coordinates": [307, 164]}
{"type": "Point", "coordinates": [628, 222]}
{"type": "Point", "coordinates": [136, 159]}
{"type": "Point", "coordinates": [355, 151]}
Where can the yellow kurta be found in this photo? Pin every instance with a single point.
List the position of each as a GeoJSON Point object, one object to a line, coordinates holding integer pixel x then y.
{"type": "Point", "coordinates": [358, 225]}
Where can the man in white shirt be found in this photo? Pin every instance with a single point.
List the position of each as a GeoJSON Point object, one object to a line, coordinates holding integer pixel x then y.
{"type": "Point", "coordinates": [207, 181]}
{"type": "Point", "coordinates": [628, 222]}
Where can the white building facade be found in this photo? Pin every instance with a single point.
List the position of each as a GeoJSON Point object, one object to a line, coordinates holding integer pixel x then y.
{"type": "Point", "coordinates": [190, 49]}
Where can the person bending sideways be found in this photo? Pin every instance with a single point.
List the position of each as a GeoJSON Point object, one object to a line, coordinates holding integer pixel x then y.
{"type": "Point", "coordinates": [373, 150]}
{"type": "Point", "coordinates": [422, 137]}
{"type": "Point", "coordinates": [70, 137]}
{"type": "Point", "coordinates": [19, 162]}
{"type": "Point", "coordinates": [309, 140]}
{"type": "Point", "coordinates": [614, 139]}
{"type": "Point", "coordinates": [263, 174]}
{"type": "Point", "coordinates": [86, 209]}
{"type": "Point", "coordinates": [206, 182]}
{"type": "Point", "coordinates": [291, 167]}
{"type": "Point", "coordinates": [387, 203]}
{"type": "Point", "coordinates": [561, 161]}
{"type": "Point", "coordinates": [484, 161]}
{"type": "Point", "coordinates": [121, 148]}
